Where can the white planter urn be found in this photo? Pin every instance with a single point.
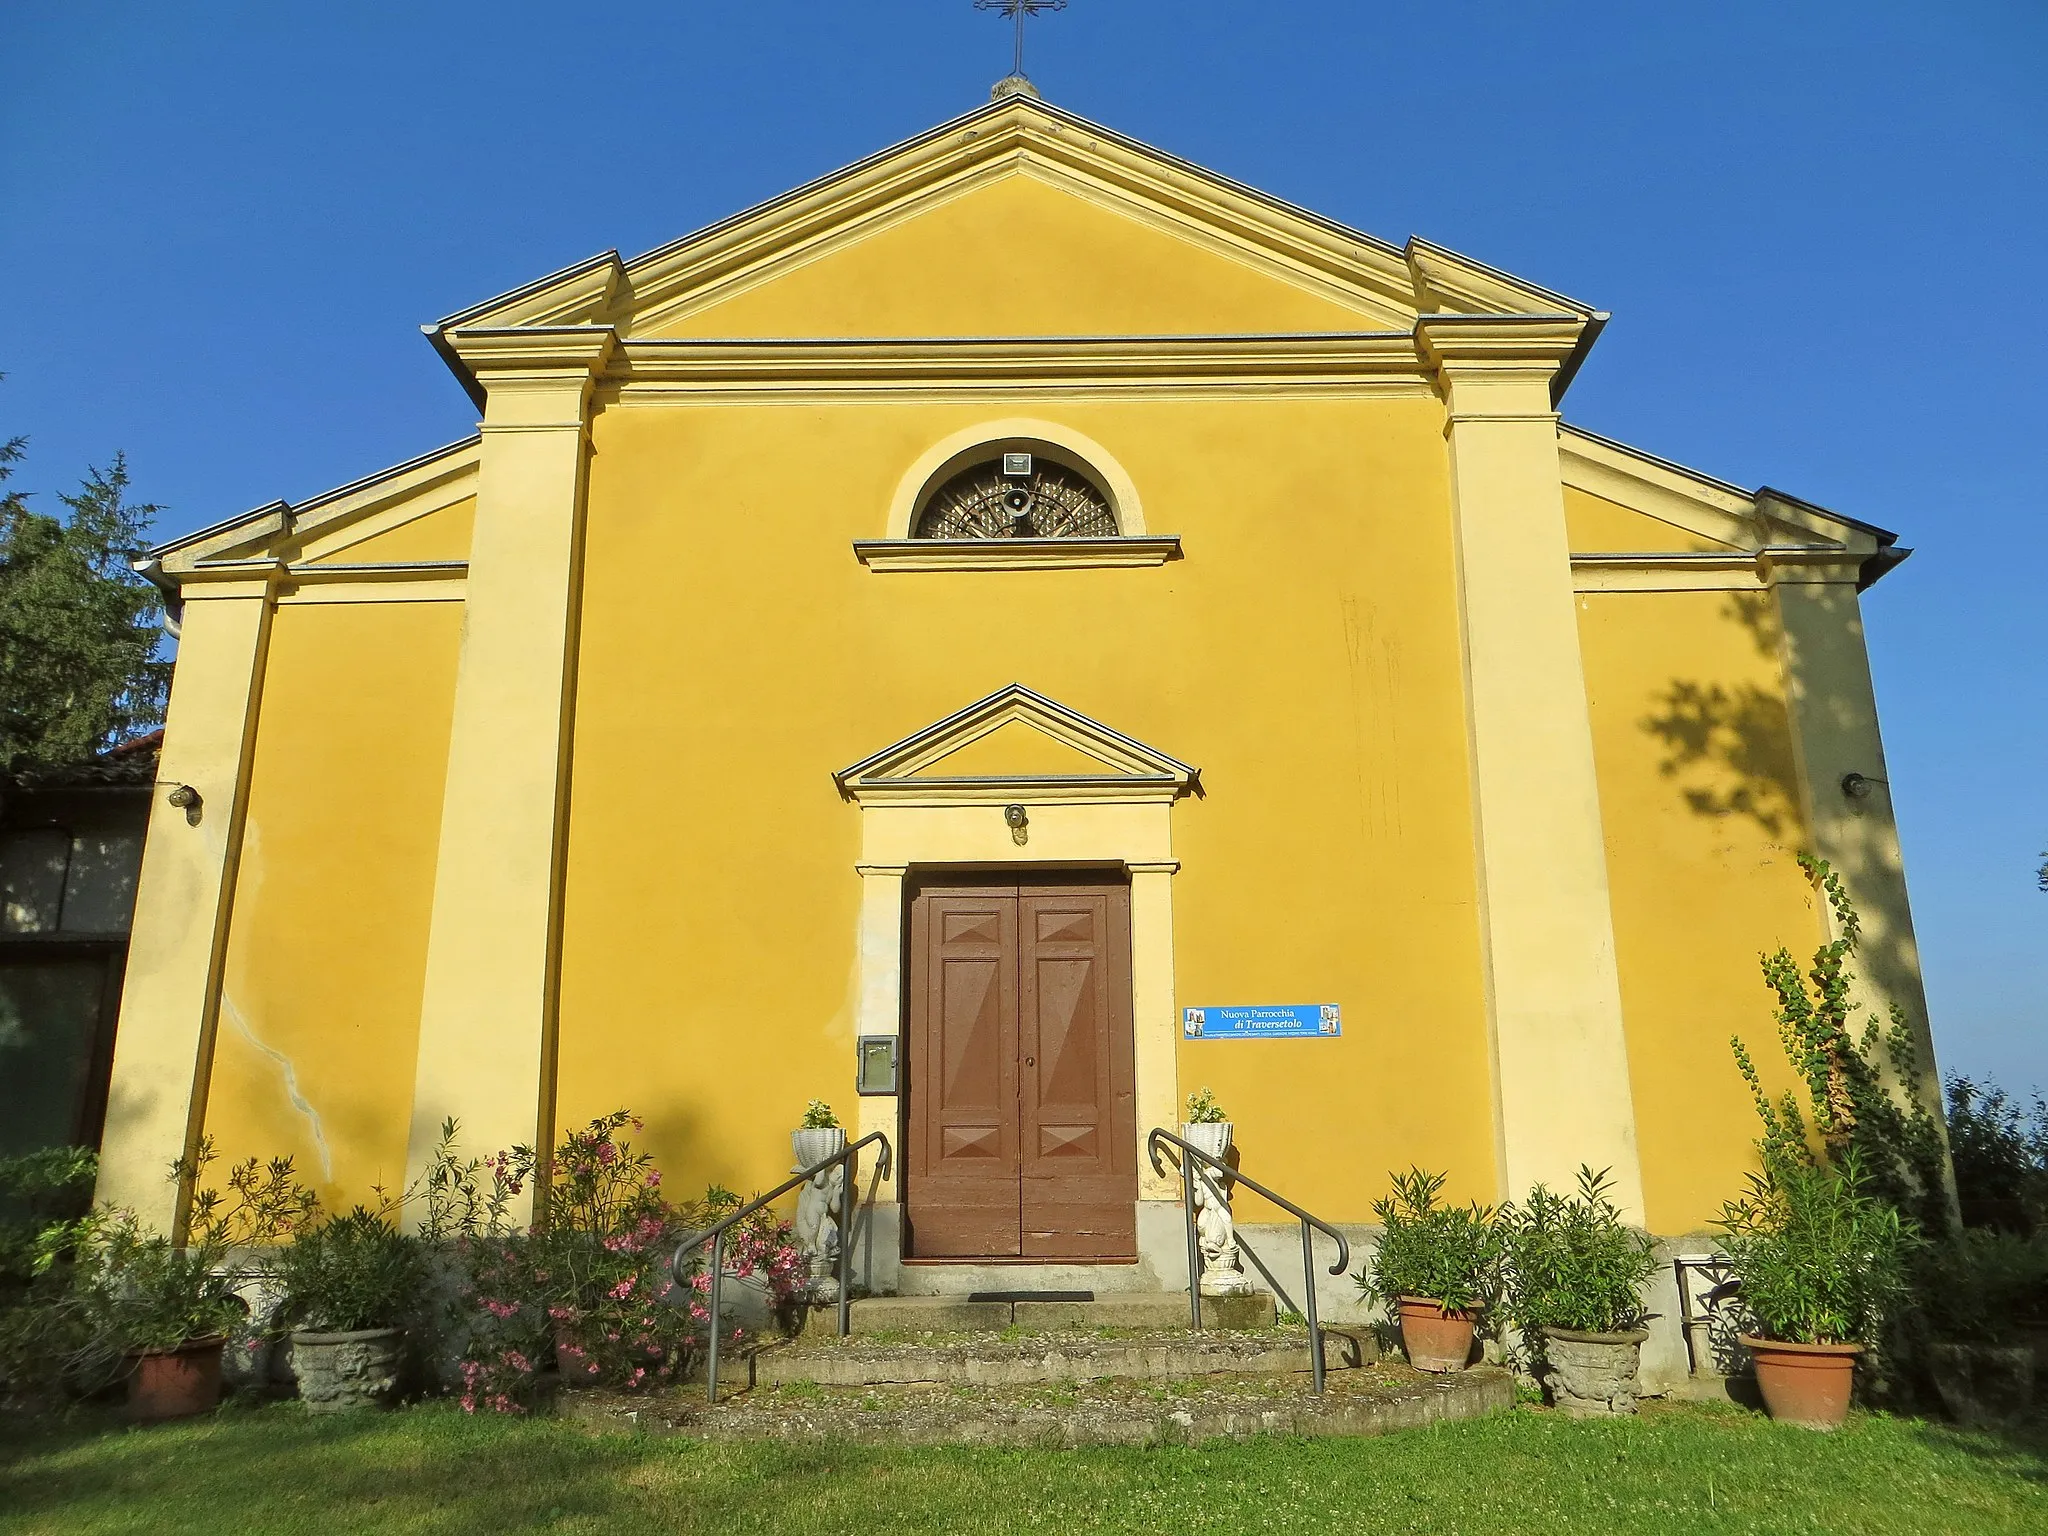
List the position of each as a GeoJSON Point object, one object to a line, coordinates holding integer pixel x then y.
{"type": "Point", "coordinates": [820, 1207]}
{"type": "Point", "coordinates": [1215, 1230]}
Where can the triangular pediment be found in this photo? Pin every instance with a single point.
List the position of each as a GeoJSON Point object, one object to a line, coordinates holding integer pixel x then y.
{"type": "Point", "coordinates": [415, 513]}
{"type": "Point", "coordinates": [990, 191]}
{"type": "Point", "coordinates": [1687, 504]}
{"type": "Point", "coordinates": [1016, 744]}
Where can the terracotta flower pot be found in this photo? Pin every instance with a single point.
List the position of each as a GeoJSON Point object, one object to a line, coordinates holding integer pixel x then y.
{"type": "Point", "coordinates": [1805, 1384]}
{"type": "Point", "coordinates": [1437, 1339]}
{"type": "Point", "coordinates": [175, 1383]}
{"type": "Point", "coordinates": [1591, 1375]}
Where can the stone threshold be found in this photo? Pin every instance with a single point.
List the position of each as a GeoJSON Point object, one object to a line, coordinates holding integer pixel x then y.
{"type": "Point", "coordinates": [990, 1312]}
{"type": "Point", "coordinates": [1373, 1400]}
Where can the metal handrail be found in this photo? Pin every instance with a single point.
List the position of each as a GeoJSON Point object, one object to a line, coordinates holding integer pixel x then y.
{"type": "Point", "coordinates": [1190, 1156]}
{"type": "Point", "coordinates": [715, 1235]}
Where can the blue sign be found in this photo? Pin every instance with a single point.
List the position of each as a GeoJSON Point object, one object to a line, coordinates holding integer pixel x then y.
{"type": "Point", "coordinates": [1270, 1021]}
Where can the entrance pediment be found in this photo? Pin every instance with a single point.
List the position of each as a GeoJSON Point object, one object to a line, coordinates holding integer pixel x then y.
{"type": "Point", "coordinates": [1016, 744]}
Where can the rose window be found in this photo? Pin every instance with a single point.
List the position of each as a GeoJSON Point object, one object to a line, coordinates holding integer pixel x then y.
{"type": "Point", "coordinates": [1019, 496]}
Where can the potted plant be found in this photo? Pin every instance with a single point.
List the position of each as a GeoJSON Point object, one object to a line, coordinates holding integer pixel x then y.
{"type": "Point", "coordinates": [1435, 1268]}
{"type": "Point", "coordinates": [168, 1308]}
{"type": "Point", "coordinates": [1573, 1274]}
{"type": "Point", "coordinates": [1977, 1290]}
{"type": "Point", "coordinates": [1207, 1127]}
{"type": "Point", "coordinates": [351, 1281]}
{"type": "Point", "coordinates": [817, 1136]}
{"type": "Point", "coordinates": [1820, 1261]}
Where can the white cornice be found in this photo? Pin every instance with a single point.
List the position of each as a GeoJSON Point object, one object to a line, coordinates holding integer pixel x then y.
{"type": "Point", "coordinates": [417, 581]}
{"type": "Point", "coordinates": [1015, 554]}
{"type": "Point", "coordinates": [1345, 361]}
{"type": "Point", "coordinates": [1661, 571]}
{"type": "Point", "coordinates": [1714, 570]}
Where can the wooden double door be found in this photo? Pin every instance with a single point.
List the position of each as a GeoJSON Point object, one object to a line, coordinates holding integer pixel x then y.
{"type": "Point", "coordinates": [1021, 1125]}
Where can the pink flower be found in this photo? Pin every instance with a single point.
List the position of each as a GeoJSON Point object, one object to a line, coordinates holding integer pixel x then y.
{"type": "Point", "coordinates": [624, 1288]}
{"type": "Point", "coordinates": [654, 1178]}
{"type": "Point", "coordinates": [517, 1361]}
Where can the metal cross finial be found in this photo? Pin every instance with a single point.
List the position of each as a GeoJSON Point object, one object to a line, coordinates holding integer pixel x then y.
{"type": "Point", "coordinates": [1018, 10]}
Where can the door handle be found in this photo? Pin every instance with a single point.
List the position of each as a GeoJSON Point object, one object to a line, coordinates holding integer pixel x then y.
{"type": "Point", "coordinates": [1030, 1062]}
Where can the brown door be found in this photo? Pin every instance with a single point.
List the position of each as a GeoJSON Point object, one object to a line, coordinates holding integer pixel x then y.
{"type": "Point", "coordinates": [1022, 1123]}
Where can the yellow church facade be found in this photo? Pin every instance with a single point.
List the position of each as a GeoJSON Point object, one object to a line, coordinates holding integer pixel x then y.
{"type": "Point", "coordinates": [1017, 601]}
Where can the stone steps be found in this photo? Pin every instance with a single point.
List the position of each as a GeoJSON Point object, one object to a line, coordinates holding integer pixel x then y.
{"type": "Point", "coordinates": [994, 1311]}
{"type": "Point", "coordinates": [1366, 1401]}
{"type": "Point", "coordinates": [1019, 1358]}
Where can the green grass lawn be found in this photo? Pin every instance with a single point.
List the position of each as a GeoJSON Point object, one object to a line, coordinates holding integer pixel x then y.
{"type": "Point", "coordinates": [1673, 1471]}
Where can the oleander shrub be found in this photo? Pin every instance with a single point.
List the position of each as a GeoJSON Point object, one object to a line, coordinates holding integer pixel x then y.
{"type": "Point", "coordinates": [1821, 1257]}
{"type": "Point", "coordinates": [591, 1286]}
{"type": "Point", "coordinates": [1450, 1254]}
{"type": "Point", "coordinates": [352, 1272]}
{"type": "Point", "coordinates": [1570, 1261]}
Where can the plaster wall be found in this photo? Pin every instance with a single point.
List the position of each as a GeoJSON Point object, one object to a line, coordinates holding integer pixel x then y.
{"type": "Point", "coordinates": [319, 1017]}
{"type": "Point", "coordinates": [1304, 654]}
{"type": "Point", "coordinates": [1019, 256]}
{"type": "Point", "coordinates": [1593, 523]}
{"type": "Point", "coordinates": [1699, 791]}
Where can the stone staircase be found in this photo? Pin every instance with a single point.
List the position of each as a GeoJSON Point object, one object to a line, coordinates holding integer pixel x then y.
{"type": "Point", "coordinates": [1035, 1368]}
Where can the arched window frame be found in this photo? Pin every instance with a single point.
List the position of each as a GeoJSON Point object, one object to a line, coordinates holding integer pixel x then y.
{"type": "Point", "coordinates": [899, 550]}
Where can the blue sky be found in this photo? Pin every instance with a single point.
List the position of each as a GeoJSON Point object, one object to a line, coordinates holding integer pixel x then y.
{"type": "Point", "coordinates": [1822, 230]}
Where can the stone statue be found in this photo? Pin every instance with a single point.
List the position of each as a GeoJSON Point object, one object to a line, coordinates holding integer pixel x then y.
{"type": "Point", "coordinates": [1216, 1235]}
{"type": "Point", "coordinates": [820, 1215]}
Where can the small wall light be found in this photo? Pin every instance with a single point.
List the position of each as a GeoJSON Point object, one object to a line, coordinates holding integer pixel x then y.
{"type": "Point", "coordinates": [187, 799]}
{"type": "Point", "coordinates": [1857, 786]}
{"type": "Point", "coordinates": [1019, 822]}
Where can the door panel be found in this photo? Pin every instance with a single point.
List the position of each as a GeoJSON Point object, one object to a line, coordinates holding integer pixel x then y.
{"type": "Point", "coordinates": [1022, 1126]}
{"type": "Point", "coordinates": [963, 1067]}
{"type": "Point", "coordinates": [1078, 1124]}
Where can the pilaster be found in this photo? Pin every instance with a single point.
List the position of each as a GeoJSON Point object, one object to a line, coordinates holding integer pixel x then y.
{"type": "Point", "coordinates": [1560, 1059]}
{"type": "Point", "coordinates": [881, 1001]}
{"type": "Point", "coordinates": [488, 1007]}
{"type": "Point", "coordinates": [1154, 1022]}
{"type": "Point", "coordinates": [170, 1002]}
{"type": "Point", "coordinates": [1835, 734]}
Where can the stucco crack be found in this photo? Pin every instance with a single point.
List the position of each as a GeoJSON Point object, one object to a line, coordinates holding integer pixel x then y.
{"type": "Point", "coordinates": [290, 1074]}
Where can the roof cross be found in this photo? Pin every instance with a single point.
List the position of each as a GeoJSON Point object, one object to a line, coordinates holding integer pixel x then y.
{"type": "Point", "coordinates": [1018, 10]}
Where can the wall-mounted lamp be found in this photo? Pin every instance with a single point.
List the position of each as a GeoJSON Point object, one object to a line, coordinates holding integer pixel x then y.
{"type": "Point", "coordinates": [1857, 786]}
{"type": "Point", "coordinates": [1019, 822]}
{"type": "Point", "coordinates": [187, 799]}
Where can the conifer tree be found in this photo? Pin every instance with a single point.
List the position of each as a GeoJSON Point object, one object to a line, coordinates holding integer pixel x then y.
{"type": "Point", "coordinates": [78, 666]}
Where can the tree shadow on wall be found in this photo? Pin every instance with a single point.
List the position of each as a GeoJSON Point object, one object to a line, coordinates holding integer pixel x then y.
{"type": "Point", "coordinates": [1729, 750]}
